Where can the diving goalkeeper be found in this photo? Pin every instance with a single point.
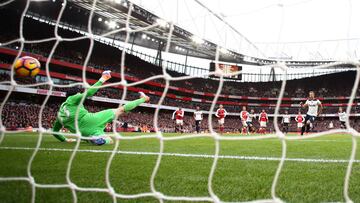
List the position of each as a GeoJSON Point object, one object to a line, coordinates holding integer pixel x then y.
{"type": "Point", "coordinates": [91, 125]}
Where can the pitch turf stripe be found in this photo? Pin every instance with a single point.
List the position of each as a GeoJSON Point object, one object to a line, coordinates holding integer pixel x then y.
{"type": "Point", "coordinates": [252, 158]}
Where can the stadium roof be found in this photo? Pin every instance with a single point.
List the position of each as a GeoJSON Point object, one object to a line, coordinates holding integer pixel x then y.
{"type": "Point", "coordinates": [286, 29]}
{"type": "Point", "coordinates": [181, 40]}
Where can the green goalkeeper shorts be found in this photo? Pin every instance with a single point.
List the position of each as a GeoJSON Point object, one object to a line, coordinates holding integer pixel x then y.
{"type": "Point", "coordinates": [93, 124]}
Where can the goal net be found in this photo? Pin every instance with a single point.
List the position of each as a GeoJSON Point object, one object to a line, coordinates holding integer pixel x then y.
{"type": "Point", "coordinates": [203, 36]}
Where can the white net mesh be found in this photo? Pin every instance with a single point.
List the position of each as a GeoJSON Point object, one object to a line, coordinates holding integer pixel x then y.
{"type": "Point", "coordinates": [154, 192]}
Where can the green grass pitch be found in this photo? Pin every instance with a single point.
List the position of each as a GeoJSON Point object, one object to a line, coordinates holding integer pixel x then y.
{"type": "Point", "coordinates": [235, 179]}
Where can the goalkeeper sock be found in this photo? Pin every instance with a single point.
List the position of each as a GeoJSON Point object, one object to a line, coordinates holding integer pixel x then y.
{"type": "Point", "coordinates": [133, 104]}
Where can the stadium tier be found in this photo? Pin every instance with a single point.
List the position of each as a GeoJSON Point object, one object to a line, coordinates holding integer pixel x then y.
{"type": "Point", "coordinates": [253, 94]}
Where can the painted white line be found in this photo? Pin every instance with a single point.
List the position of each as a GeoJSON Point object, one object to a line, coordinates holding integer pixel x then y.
{"type": "Point", "coordinates": [323, 140]}
{"type": "Point", "coordinates": [256, 158]}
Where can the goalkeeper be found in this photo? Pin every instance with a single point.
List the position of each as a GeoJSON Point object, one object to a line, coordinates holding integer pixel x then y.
{"type": "Point", "coordinates": [91, 125]}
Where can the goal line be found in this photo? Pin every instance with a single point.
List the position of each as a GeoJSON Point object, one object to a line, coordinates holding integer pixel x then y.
{"type": "Point", "coordinates": [209, 156]}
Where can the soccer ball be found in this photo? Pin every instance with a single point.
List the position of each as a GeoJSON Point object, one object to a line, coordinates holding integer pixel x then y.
{"type": "Point", "coordinates": [27, 66]}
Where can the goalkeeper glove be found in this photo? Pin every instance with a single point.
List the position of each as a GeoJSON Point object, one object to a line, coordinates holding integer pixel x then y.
{"type": "Point", "coordinates": [106, 75]}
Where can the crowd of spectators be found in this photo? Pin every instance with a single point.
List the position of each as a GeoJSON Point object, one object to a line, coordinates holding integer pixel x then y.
{"type": "Point", "coordinates": [12, 119]}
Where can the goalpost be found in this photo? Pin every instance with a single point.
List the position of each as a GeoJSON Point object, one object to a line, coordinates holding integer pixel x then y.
{"type": "Point", "coordinates": [213, 197]}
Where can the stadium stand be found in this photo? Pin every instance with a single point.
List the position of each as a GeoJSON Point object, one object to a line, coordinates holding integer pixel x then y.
{"type": "Point", "coordinates": [331, 88]}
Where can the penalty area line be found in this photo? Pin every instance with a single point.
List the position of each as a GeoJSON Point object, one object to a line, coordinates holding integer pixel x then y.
{"type": "Point", "coordinates": [251, 158]}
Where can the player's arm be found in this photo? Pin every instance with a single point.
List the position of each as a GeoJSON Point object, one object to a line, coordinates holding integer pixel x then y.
{"type": "Point", "coordinates": [56, 128]}
{"type": "Point", "coordinates": [320, 108]}
{"type": "Point", "coordinates": [173, 116]}
{"type": "Point", "coordinates": [302, 105]}
{"type": "Point", "coordinates": [75, 99]}
{"type": "Point", "coordinates": [217, 113]}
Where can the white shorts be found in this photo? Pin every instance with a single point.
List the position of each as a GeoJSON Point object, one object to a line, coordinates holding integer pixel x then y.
{"type": "Point", "coordinates": [179, 122]}
{"type": "Point", "coordinates": [300, 125]}
{"type": "Point", "coordinates": [263, 124]}
{"type": "Point", "coordinates": [244, 124]}
{"type": "Point", "coordinates": [221, 121]}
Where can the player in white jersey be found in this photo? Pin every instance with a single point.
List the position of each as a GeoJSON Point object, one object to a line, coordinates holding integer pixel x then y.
{"type": "Point", "coordinates": [342, 118]}
{"type": "Point", "coordinates": [198, 116]}
{"type": "Point", "coordinates": [249, 121]}
{"type": "Point", "coordinates": [286, 122]}
{"type": "Point", "coordinates": [314, 109]}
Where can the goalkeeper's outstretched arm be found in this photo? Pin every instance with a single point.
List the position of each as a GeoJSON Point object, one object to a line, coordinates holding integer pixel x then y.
{"type": "Point", "coordinates": [76, 99]}
{"type": "Point", "coordinates": [56, 128]}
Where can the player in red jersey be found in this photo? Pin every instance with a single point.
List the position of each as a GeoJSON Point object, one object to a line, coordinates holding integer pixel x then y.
{"type": "Point", "coordinates": [300, 121]}
{"type": "Point", "coordinates": [221, 114]}
{"type": "Point", "coordinates": [263, 119]}
{"type": "Point", "coordinates": [244, 114]}
{"type": "Point", "coordinates": [178, 115]}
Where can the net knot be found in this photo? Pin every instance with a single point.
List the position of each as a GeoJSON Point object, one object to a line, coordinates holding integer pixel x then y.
{"type": "Point", "coordinates": [59, 38]}
{"type": "Point", "coordinates": [159, 195]}
{"type": "Point", "coordinates": [90, 35]}
{"type": "Point", "coordinates": [32, 180]}
{"type": "Point", "coordinates": [13, 83]}
{"type": "Point", "coordinates": [42, 130]}
{"type": "Point", "coordinates": [167, 76]}
{"type": "Point", "coordinates": [50, 82]}
{"type": "Point", "coordinates": [112, 191]}
{"type": "Point", "coordinates": [124, 83]}
{"type": "Point", "coordinates": [159, 136]}
{"type": "Point", "coordinates": [72, 186]}
{"type": "Point", "coordinates": [216, 199]}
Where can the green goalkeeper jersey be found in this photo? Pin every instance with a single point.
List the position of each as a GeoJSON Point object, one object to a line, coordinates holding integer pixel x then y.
{"type": "Point", "coordinates": [67, 113]}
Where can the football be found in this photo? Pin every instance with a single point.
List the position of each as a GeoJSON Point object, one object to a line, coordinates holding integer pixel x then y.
{"type": "Point", "coordinates": [27, 67]}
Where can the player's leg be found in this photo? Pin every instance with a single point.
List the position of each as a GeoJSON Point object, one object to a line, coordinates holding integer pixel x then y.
{"type": "Point", "coordinates": [132, 105]}
{"type": "Point", "coordinates": [93, 125]}
{"type": "Point", "coordinates": [250, 128]}
{"type": "Point", "coordinates": [181, 123]}
{"type": "Point", "coordinates": [220, 121]}
{"type": "Point", "coordinates": [263, 127]}
{"type": "Point", "coordinates": [243, 128]}
{"type": "Point", "coordinates": [177, 126]}
{"type": "Point", "coordinates": [306, 124]}
{"type": "Point", "coordinates": [311, 124]}
{"type": "Point", "coordinates": [285, 128]}
{"type": "Point", "coordinates": [308, 127]}
{"type": "Point", "coordinates": [197, 124]}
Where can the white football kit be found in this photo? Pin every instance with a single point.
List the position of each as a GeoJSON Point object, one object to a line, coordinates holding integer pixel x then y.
{"type": "Point", "coordinates": [313, 107]}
